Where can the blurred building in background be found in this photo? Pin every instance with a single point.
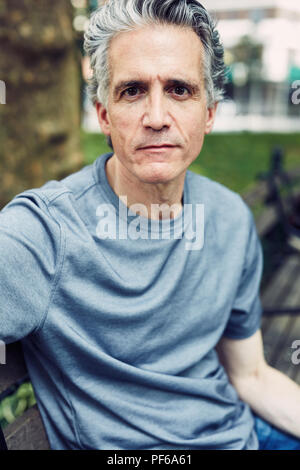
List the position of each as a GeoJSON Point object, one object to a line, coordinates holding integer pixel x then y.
{"type": "Point", "coordinates": [262, 51]}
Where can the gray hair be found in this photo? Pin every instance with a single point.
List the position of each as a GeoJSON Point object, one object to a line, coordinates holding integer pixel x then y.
{"type": "Point", "coordinates": [115, 16]}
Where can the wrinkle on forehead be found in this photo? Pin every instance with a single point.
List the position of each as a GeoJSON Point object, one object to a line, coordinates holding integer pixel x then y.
{"type": "Point", "coordinates": [133, 53]}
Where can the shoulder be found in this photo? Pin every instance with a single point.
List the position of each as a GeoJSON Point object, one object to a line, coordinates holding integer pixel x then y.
{"type": "Point", "coordinates": [73, 186]}
{"type": "Point", "coordinates": [220, 202]}
{"type": "Point", "coordinates": [38, 213]}
{"type": "Point", "coordinates": [53, 196]}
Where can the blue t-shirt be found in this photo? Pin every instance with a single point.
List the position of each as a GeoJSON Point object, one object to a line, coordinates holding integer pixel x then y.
{"type": "Point", "coordinates": [119, 331]}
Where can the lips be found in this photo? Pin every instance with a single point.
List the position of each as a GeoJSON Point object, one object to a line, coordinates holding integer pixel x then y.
{"type": "Point", "coordinates": [162, 146]}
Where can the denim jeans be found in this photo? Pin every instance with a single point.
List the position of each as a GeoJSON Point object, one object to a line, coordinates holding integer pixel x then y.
{"type": "Point", "coordinates": [271, 438]}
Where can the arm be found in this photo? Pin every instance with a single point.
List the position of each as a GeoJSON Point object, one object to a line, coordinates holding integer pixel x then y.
{"type": "Point", "coordinates": [29, 256]}
{"type": "Point", "coordinates": [269, 393]}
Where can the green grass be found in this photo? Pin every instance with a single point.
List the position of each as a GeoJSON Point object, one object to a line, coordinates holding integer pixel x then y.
{"type": "Point", "coordinates": [235, 159]}
{"type": "Point", "coordinates": [93, 145]}
{"type": "Point", "coordinates": [232, 159]}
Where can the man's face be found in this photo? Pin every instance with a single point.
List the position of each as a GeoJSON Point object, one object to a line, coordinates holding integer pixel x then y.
{"type": "Point", "coordinates": [156, 114]}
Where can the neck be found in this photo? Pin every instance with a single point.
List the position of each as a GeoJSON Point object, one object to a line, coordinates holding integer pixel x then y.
{"type": "Point", "coordinates": [152, 200]}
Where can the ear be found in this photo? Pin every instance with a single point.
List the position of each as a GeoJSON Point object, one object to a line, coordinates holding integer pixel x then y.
{"type": "Point", "coordinates": [103, 118]}
{"type": "Point", "coordinates": [210, 118]}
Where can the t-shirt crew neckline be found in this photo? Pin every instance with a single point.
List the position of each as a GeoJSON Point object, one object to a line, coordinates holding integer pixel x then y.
{"type": "Point", "coordinates": [124, 213]}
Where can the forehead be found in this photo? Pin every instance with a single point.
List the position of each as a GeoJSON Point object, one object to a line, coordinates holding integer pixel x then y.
{"type": "Point", "coordinates": [165, 50]}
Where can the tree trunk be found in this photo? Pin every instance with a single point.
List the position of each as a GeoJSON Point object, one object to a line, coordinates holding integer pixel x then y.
{"type": "Point", "coordinates": [39, 124]}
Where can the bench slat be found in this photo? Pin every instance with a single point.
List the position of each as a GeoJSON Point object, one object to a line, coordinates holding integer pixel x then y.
{"type": "Point", "coordinates": [282, 358]}
{"type": "Point", "coordinates": [266, 221]}
{"type": "Point", "coordinates": [257, 193]}
{"type": "Point", "coordinates": [27, 432]}
{"type": "Point", "coordinates": [277, 294]}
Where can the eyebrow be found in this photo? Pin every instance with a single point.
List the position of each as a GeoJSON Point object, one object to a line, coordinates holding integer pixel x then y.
{"type": "Point", "coordinates": [127, 84]}
{"type": "Point", "coordinates": [193, 86]}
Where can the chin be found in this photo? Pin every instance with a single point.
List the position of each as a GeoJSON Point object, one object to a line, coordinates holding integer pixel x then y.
{"type": "Point", "coordinates": [157, 173]}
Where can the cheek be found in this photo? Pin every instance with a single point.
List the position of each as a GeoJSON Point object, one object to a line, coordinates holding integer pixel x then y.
{"type": "Point", "coordinates": [192, 120]}
{"type": "Point", "coordinates": [122, 125]}
{"type": "Point", "coordinates": [195, 131]}
{"type": "Point", "coordinates": [195, 136]}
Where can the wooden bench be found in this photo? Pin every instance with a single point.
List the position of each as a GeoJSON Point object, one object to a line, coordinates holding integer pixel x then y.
{"type": "Point", "coordinates": [281, 296]}
{"type": "Point", "coordinates": [282, 330]}
{"type": "Point", "coordinates": [267, 218]}
{"type": "Point", "coordinates": [27, 432]}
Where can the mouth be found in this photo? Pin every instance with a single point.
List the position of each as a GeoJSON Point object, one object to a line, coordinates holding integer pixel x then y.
{"type": "Point", "coordinates": [157, 147]}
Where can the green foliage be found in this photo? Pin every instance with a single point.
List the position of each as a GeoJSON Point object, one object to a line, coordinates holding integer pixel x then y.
{"type": "Point", "coordinates": [247, 51]}
{"type": "Point", "coordinates": [93, 145]}
{"type": "Point", "coordinates": [14, 405]}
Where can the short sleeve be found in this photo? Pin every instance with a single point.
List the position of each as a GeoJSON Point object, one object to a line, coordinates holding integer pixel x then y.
{"type": "Point", "coordinates": [245, 318]}
{"type": "Point", "coordinates": [29, 255]}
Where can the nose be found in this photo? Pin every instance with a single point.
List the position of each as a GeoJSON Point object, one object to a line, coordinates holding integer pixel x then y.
{"type": "Point", "coordinates": [156, 115]}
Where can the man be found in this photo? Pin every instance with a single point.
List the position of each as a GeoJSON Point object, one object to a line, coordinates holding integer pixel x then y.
{"type": "Point", "coordinates": [120, 312]}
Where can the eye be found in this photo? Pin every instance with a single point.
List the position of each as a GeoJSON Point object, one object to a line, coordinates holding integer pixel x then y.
{"type": "Point", "coordinates": [132, 92]}
{"type": "Point", "coordinates": [180, 91]}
